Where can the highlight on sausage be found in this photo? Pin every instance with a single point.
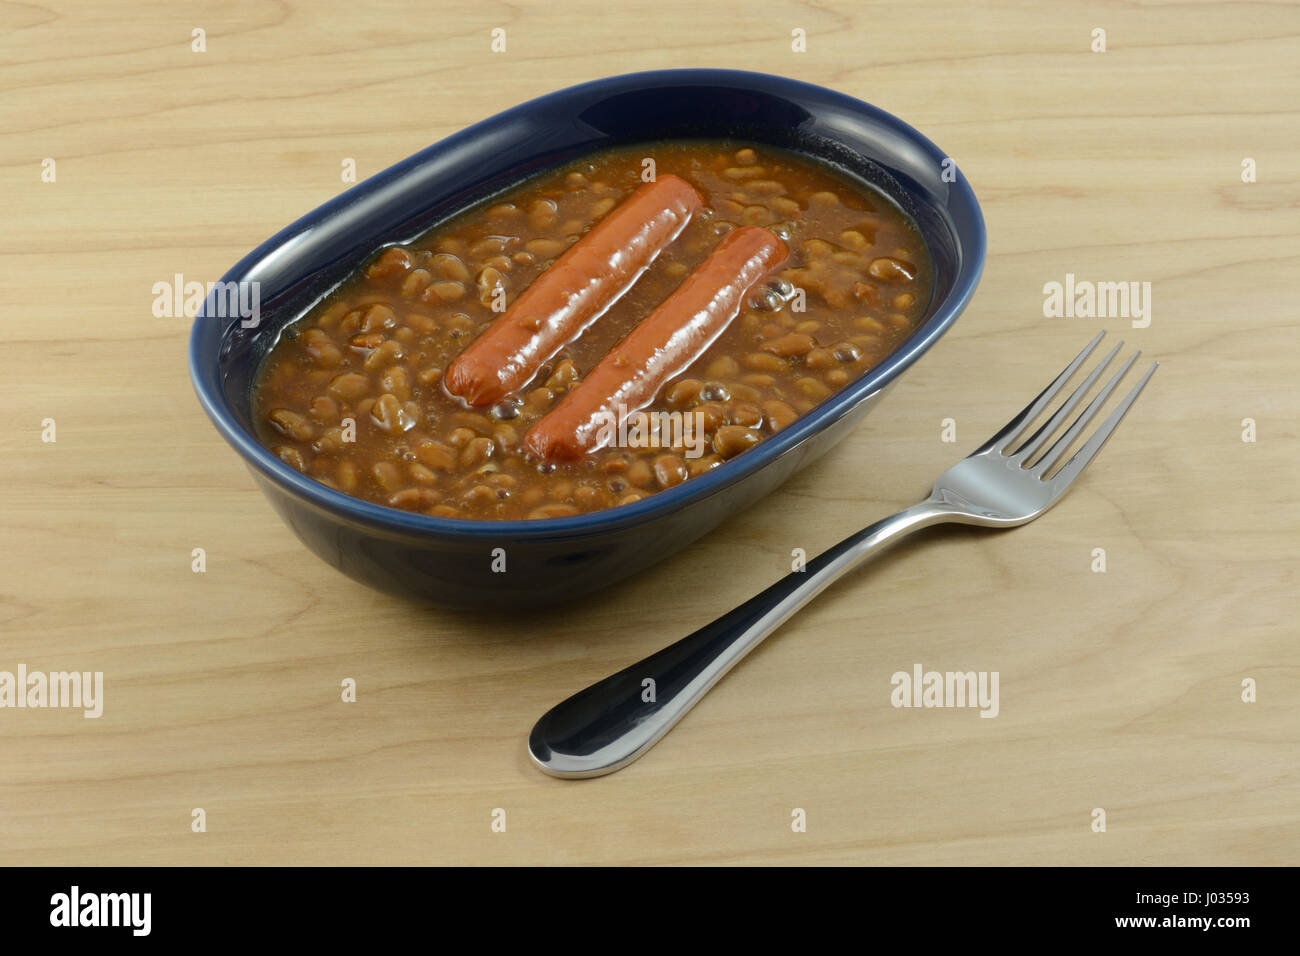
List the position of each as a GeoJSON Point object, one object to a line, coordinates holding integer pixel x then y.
{"type": "Point", "coordinates": [660, 347]}
{"type": "Point", "coordinates": [585, 281]}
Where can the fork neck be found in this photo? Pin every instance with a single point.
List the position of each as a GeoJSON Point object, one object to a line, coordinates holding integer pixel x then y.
{"type": "Point", "coordinates": [871, 540]}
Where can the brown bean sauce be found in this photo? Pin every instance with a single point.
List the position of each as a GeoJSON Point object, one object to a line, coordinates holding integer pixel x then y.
{"type": "Point", "coordinates": [351, 394]}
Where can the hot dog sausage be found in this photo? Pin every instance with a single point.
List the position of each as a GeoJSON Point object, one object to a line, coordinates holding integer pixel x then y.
{"type": "Point", "coordinates": [662, 346]}
{"type": "Point", "coordinates": [574, 292]}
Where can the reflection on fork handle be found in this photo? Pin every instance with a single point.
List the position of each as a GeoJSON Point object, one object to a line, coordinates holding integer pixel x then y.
{"type": "Point", "coordinates": [1006, 482]}
{"type": "Point", "coordinates": [609, 724]}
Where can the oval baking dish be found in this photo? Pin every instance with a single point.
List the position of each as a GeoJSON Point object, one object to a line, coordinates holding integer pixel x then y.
{"type": "Point", "coordinates": [450, 561]}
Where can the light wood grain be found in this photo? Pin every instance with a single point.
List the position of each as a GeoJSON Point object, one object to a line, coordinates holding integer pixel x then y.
{"type": "Point", "coordinates": [1118, 690]}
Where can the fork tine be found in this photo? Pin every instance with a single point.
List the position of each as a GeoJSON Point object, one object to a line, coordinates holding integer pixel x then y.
{"type": "Point", "coordinates": [1026, 451]}
{"type": "Point", "coordinates": [1089, 451]}
{"type": "Point", "coordinates": [1063, 443]}
{"type": "Point", "coordinates": [1014, 427]}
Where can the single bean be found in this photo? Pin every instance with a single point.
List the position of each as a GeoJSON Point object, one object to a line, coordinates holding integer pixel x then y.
{"type": "Point", "coordinates": [708, 416]}
{"type": "Point", "coordinates": [812, 388]}
{"type": "Point", "coordinates": [421, 474]}
{"type": "Point", "coordinates": [889, 269]}
{"type": "Point", "coordinates": [448, 290]}
{"type": "Point", "coordinates": [459, 324]}
{"type": "Point", "coordinates": [669, 470]}
{"type": "Point", "coordinates": [543, 213]}
{"type": "Point", "coordinates": [385, 355]}
{"type": "Point", "coordinates": [819, 358]}
{"type": "Point", "coordinates": [639, 473]}
{"type": "Point", "coordinates": [475, 452]}
{"type": "Point", "coordinates": [291, 425]}
{"type": "Point", "coordinates": [699, 466]}
{"type": "Point", "coordinates": [683, 391]}
{"type": "Point", "coordinates": [392, 262]}
{"type": "Point", "coordinates": [539, 399]}
{"type": "Point", "coordinates": [785, 206]}
{"type": "Point", "coordinates": [347, 476]}
{"type": "Point", "coordinates": [544, 248]}
{"type": "Point", "coordinates": [553, 510]}
{"type": "Point", "coordinates": [565, 374]}
{"type": "Point", "coordinates": [588, 498]}
{"type": "Point", "coordinates": [415, 283]}
{"type": "Point", "coordinates": [290, 456]}
{"type": "Point", "coordinates": [505, 437]}
{"type": "Point", "coordinates": [387, 475]}
{"type": "Point", "coordinates": [329, 442]}
{"type": "Point", "coordinates": [409, 499]}
{"type": "Point", "coordinates": [491, 245]}
{"type": "Point", "coordinates": [745, 413]}
{"type": "Point", "coordinates": [715, 392]}
{"type": "Point", "coordinates": [764, 362]}
{"type": "Point", "coordinates": [396, 380]}
{"type": "Point", "coordinates": [448, 266]}
{"type": "Point", "coordinates": [435, 455]}
{"type": "Point", "coordinates": [479, 496]}
{"type": "Point", "coordinates": [378, 318]}
{"type": "Point", "coordinates": [460, 437]}
{"type": "Point", "coordinates": [391, 416]}
{"type": "Point", "coordinates": [324, 410]}
{"type": "Point", "coordinates": [490, 283]}
{"type": "Point", "coordinates": [731, 440]}
{"type": "Point", "coordinates": [724, 367]}
{"type": "Point", "coordinates": [789, 345]}
{"type": "Point", "coordinates": [846, 352]}
{"type": "Point", "coordinates": [778, 414]}
{"type": "Point", "coordinates": [349, 386]}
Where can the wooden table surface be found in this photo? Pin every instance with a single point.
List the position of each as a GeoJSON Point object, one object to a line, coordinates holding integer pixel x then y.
{"type": "Point", "coordinates": [1119, 691]}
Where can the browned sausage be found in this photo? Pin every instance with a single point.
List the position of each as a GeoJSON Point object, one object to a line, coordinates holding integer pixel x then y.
{"type": "Point", "coordinates": [573, 292]}
{"type": "Point", "coordinates": [662, 346]}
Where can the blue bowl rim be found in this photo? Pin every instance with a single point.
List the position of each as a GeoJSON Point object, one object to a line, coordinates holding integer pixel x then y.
{"type": "Point", "coordinates": [206, 337]}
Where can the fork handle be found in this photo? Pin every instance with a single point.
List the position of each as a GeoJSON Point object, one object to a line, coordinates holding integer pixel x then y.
{"type": "Point", "coordinates": [609, 724]}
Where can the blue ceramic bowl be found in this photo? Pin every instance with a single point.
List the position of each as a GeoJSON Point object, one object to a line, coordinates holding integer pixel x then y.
{"type": "Point", "coordinates": [449, 561]}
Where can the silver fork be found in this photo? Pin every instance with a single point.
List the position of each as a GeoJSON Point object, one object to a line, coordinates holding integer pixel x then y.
{"type": "Point", "coordinates": [609, 724]}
